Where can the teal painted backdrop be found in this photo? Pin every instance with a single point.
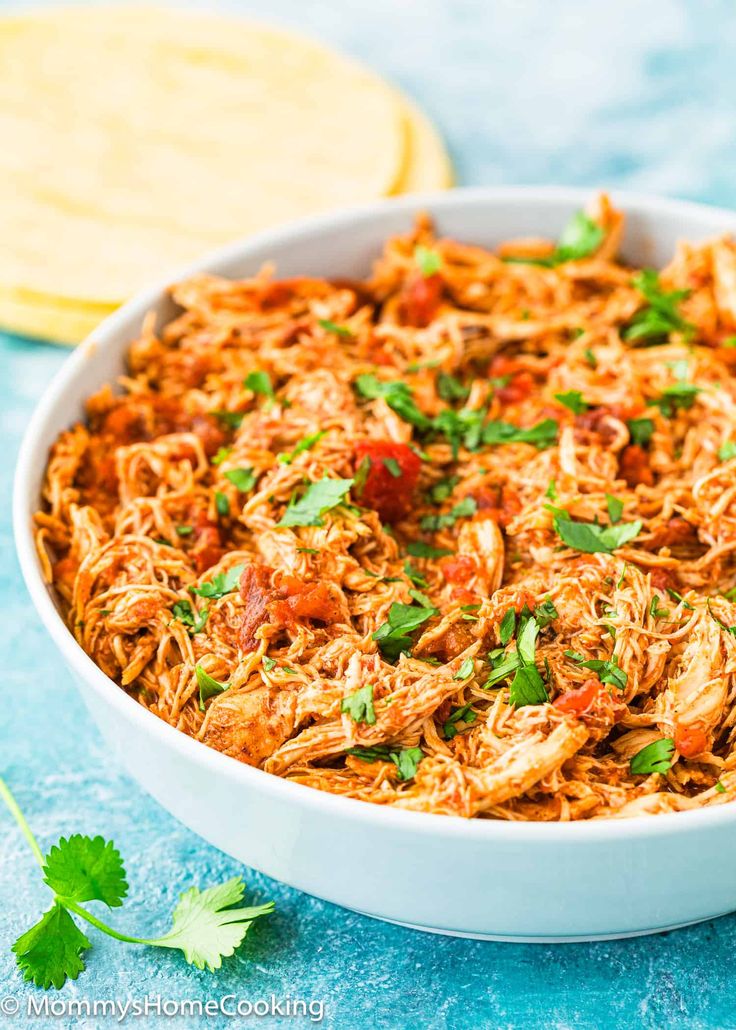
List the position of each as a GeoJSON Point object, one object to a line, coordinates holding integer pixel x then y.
{"type": "Point", "coordinates": [622, 94]}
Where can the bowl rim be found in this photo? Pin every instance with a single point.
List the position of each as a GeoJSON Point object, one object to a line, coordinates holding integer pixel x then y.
{"type": "Point", "coordinates": [34, 449]}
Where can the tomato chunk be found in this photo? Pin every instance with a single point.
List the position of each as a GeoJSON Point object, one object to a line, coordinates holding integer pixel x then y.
{"type": "Point", "coordinates": [634, 466]}
{"type": "Point", "coordinates": [304, 601]}
{"type": "Point", "coordinates": [690, 740]}
{"type": "Point", "coordinates": [208, 547]}
{"type": "Point", "coordinates": [458, 568]}
{"type": "Point", "coordinates": [580, 699]}
{"type": "Point", "coordinates": [420, 299]}
{"type": "Point", "coordinates": [384, 491]}
{"type": "Point", "coordinates": [520, 383]}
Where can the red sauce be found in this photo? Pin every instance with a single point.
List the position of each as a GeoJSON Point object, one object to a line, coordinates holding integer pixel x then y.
{"type": "Point", "coordinates": [420, 299]}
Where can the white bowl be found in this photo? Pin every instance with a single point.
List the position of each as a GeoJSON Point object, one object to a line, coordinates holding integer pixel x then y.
{"type": "Point", "coordinates": [500, 880]}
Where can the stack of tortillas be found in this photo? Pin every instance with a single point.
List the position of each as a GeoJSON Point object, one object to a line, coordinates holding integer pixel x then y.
{"type": "Point", "coordinates": [135, 139]}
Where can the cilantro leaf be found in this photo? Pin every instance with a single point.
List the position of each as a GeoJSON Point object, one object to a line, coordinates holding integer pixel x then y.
{"type": "Point", "coordinates": [81, 868]}
{"type": "Point", "coordinates": [464, 427]}
{"type": "Point", "coordinates": [318, 498]}
{"type": "Point", "coordinates": [661, 316]}
{"type": "Point", "coordinates": [407, 762]}
{"type": "Point", "coordinates": [231, 419]}
{"type": "Point", "coordinates": [304, 445]}
{"type": "Point", "coordinates": [222, 504]}
{"type": "Point", "coordinates": [580, 238]}
{"type": "Point", "coordinates": [450, 388]}
{"type": "Point", "coordinates": [414, 576]}
{"type": "Point", "coordinates": [545, 612]}
{"type": "Point", "coordinates": [679, 396]}
{"type": "Point", "coordinates": [332, 327]}
{"type": "Point", "coordinates": [466, 670]}
{"type": "Point", "coordinates": [573, 399]}
{"type": "Point", "coordinates": [615, 508]}
{"type": "Point", "coordinates": [442, 489]}
{"type": "Point", "coordinates": [527, 687]}
{"type": "Point", "coordinates": [222, 455]}
{"type": "Point", "coordinates": [526, 640]}
{"type": "Point", "coordinates": [640, 430]}
{"type": "Point", "coordinates": [608, 671]}
{"type": "Point", "coordinates": [507, 627]}
{"type": "Point", "coordinates": [208, 686]}
{"type": "Point", "coordinates": [221, 584]}
{"type": "Point", "coordinates": [418, 549]}
{"type": "Point", "coordinates": [465, 715]}
{"type": "Point", "coordinates": [392, 636]}
{"type": "Point", "coordinates": [428, 261]}
{"type": "Point", "coordinates": [392, 466]}
{"type": "Point", "coordinates": [542, 435]}
{"type": "Point", "coordinates": [193, 620]}
{"type": "Point", "coordinates": [51, 951]}
{"type": "Point", "coordinates": [727, 450]}
{"type": "Point", "coordinates": [463, 509]}
{"type": "Point", "coordinates": [259, 382]}
{"type": "Point", "coordinates": [359, 706]}
{"type": "Point", "coordinates": [206, 928]}
{"type": "Point", "coordinates": [398, 396]}
{"type": "Point", "coordinates": [591, 538]}
{"type": "Point", "coordinates": [654, 758]}
{"type": "Point", "coordinates": [242, 479]}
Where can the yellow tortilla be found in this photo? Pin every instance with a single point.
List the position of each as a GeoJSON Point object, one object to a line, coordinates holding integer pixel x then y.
{"type": "Point", "coordinates": [427, 166]}
{"type": "Point", "coordinates": [134, 139]}
{"type": "Point", "coordinates": [49, 318]}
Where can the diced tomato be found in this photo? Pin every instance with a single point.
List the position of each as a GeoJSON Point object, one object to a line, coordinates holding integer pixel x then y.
{"type": "Point", "coordinates": [256, 591]}
{"type": "Point", "coordinates": [458, 568]}
{"type": "Point", "coordinates": [463, 595]}
{"type": "Point", "coordinates": [502, 504]}
{"type": "Point", "coordinates": [420, 299]}
{"type": "Point", "coordinates": [388, 494]}
{"type": "Point", "coordinates": [676, 531]}
{"type": "Point", "coordinates": [208, 547]}
{"type": "Point", "coordinates": [520, 383]}
{"type": "Point", "coordinates": [304, 601]}
{"type": "Point", "coordinates": [580, 699]}
{"type": "Point", "coordinates": [662, 579]}
{"type": "Point", "coordinates": [690, 740]}
{"type": "Point", "coordinates": [634, 466]}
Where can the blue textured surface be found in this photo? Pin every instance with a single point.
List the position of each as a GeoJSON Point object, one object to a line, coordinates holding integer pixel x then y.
{"type": "Point", "coordinates": [614, 94]}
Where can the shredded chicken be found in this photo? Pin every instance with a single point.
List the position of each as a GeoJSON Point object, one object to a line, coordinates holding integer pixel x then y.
{"type": "Point", "coordinates": [460, 538]}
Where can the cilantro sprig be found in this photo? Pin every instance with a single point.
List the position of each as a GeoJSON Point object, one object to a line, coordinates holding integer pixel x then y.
{"type": "Point", "coordinates": [654, 758]}
{"type": "Point", "coordinates": [205, 926]}
{"type": "Point", "coordinates": [592, 538]}
{"type": "Point", "coordinates": [393, 636]}
{"type": "Point", "coordinates": [661, 316]}
{"type": "Point", "coordinates": [317, 499]}
{"type": "Point", "coordinates": [580, 239]}
{"type": "Point", "coordinates": [405, 759]}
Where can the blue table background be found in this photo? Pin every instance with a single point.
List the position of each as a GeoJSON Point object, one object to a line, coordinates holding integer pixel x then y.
{"type": "Point", "coordinates": [601, 94]}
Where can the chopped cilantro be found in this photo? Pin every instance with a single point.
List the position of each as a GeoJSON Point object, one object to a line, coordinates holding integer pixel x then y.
{"type": "Point", "coordinates": [418, 549]}
{"type": "Point", "coordinates": [318, 498]}
{"type": "Point", "coordinates": [507, 627]}
{"type": "Point", "coordinates": [655, 611]}
{"type": "Point", "coordinates": [194, 621]}
{"type": "Point", "coordinates": [660, 317]}
{"type": "Point", "coordinates": [615, 508]}
{"type": "Point", "coordinates": [242, 479]}
{"type": "Point", "coordinates": [221, 455]}
{"type": "Point", "coordinates": [185, 530]}
{"type": "Point", "coordinates": [654, 758]}
{"type": "Point", "coordinates": [397, 395]}
{"type": "Point", "coordinates": [208, 686]}
{"type": "Point", "coordinates": [590, 357]}
{"type": "Point", "coordinates": [428, 261]}
{"type": "Point", "coordinates": [463, 509]}
{"type": "Point", "coordinates": [542, 435]}
{"type": "Point", "coordinates": [727, 450]}
{"type": "Point", "coordinates": [259, 382]}
{"type": "Point", "coordinates": [286, 458]}
{"type": "Point", "coordinates": [573, 399]}
{"type": "Point", "coordinates": [551, 490]}
{"type": "Point", "coordinates": [580, 238]}
{"type": "Point", "coordinates": [465, 715]}
{"type": "Point", "coordinates": [223, 583]}
{"type": "Point", "coordinates": [392, 636]}
{"type": "Point", "coordinates": [222, 504]}
{"type": "Point", "coordinates": [414, 575]}
{"type": "Point", "coordinates": [679, 396]}
{"type": "Point", "coordinates": [608, 671]}
{"type": "Point", "coordinates": [332, 327]}
{"type": "Point", "coordinates": [640, 430]}
{"type": "Point", "coordinates": [231, 419]}
{"type": "Point", "coordinates": [450, 388]}
{"type": "Point", "coordinates": [406, 760]}
{"type": "Point", "coordinates": [466, 670]}
{"type": "Point", "coordinates": [359, 706]}
{"type": "Point", "coordinates": [392, 466]}
{"type": "Point", "coordinates": [442, 489]}
{"type": "Point", "coordinates": [680, 599]}
{"type": "Point", "coordinates": [592, 538]}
